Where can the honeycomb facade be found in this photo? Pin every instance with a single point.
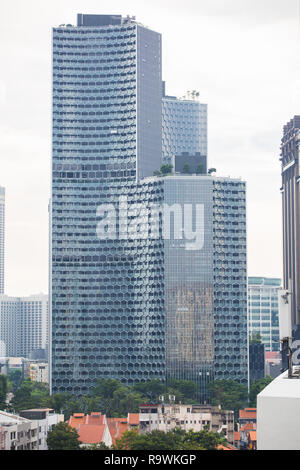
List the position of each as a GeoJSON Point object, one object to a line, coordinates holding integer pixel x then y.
{"type": "Point", "coordinates": [230, 280]}
{"type": "Point", "coordinates": [184, 127]}
{"type": "Point", "coordinates": [106, 294]}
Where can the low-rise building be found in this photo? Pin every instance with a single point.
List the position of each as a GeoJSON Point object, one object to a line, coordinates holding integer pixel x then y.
{"type": "Point", "coordinates": [247, 415]}
{"type": "Point", "coordinates": [187, 417]}
{"type": "Point", "coordinates": [17, 433]}
{"type": "Point", "coordinates": [39, 372]}
{"type": "Point", "coordinates": [273, 363]}
{"type": "Point", "coordinates": [245, 435]}
{"type": "Point", "coordinates": [45, 418]}
{"type": "Point", "coordinates": [92, 429]}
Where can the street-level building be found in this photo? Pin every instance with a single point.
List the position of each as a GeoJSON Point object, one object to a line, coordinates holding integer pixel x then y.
{"type": "Point", "coordinates": [44, 419]}
{"type": "Point", "coordinates": [17, 433]}
{"type": "Point", "coordinates": [165, 417]}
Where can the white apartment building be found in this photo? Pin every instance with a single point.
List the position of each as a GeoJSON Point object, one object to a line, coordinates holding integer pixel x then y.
{"type": "Point", "coordinates": [24, 324]}
{"type": "Point", "coordinates": [17, 433]}
{"type": "Point", "coordinates": [187, 417]}
{"type": "Point", "coordinates": [45, 419]}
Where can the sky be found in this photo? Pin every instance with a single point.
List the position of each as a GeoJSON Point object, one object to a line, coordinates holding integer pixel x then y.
{"type": "Point", "coordinates": [241, 55]}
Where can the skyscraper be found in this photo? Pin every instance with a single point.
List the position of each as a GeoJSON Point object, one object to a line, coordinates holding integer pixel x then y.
{"type": "Point", "coordinates": [127, 301]}
{"type": "Point", "coordinates": [184, 127]}
{"type": "Point", "coordinates": [205, 279]}
{"type": "Point", "coordinates": [24, 324]}
{"type": "Point", "coordinates": [2, 231]}
{"type": "Point", "coordinates": [263, 310]}
{"type": "Point", "coordinates": [290, 153]}
{"type": "Point", "coordinates": [106, 294]}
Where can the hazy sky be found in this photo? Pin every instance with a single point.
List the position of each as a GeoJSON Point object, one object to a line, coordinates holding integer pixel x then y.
{"type": "Point", "coordinates": [242, 55]}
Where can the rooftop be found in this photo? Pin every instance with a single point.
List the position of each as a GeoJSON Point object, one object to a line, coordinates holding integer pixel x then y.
{"type": "Point", "coordinates": [91, 433]}
{"type": "Point", "coordinates": [282, 387]}
{"type": "Point", "coordinates": [247, 413]}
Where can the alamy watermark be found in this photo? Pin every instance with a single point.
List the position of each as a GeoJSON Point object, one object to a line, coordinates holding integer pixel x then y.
{"type": "Point", "coordinates": [125, 221]}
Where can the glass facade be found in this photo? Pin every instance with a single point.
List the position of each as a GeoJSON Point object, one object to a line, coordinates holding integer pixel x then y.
{"type": "Point", "coordinates": [206, 287]}
{"type": "Point", "coordinates": [263, 310]}
{"type": "Point", "coordinates": [106, 294]}
{"type": "Point", "coordinates": [230, 280]}
{"type": "Point", "coordinates": [184, 127]}
{"type": "Point", "coordinates": [189, 283]}
{"type": "Point", "coordinates": [2, 228]}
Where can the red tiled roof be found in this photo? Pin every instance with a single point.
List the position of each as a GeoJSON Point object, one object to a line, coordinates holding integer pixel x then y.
{"type": "Point", "coordinates": [90, 433]}
{"type": "Point", "coordinates": [227, 447]}
{"type": "Point", "coordinates": [79, 418]}
{"type": "Point", "coordinates": [248, 427]}
{"type": "Point", "coordinates": [76, 420]}
{"type": "Point", "coordinates": [95, 418]}
{"type": "Point", "coordinates": [117, 427]}
{"type": "Point", "coordinates": [272, 355]}
{"type": "Point", "coordinates": [236, 436]}
{"type": "Point", "coordinates": [248, 413]}
{"type": "Point", "coordinates": [133, 418]}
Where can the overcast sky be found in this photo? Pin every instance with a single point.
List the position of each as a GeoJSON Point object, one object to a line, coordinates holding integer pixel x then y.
{"type": "Point", "coordinates": [243, 57]}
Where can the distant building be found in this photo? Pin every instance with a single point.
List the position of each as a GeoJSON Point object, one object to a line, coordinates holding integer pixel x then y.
{"type": "Point", "coordinates": [246, 416]}
{"type": "Point", "coordinates": [17, 433]}
{"type": "Point", "coordinates": [24, 324]}
{"type": "Point", "coordinates": [256, 361]}
{"type": "Point", "coordinates": [9, 364]}
{"type": "Point", "coordinates": [273, 363]}
{"type": "Point", "coordinates": [184, 126]}
{"type": "Point", "coordinates": [263, 310]}
{"type": "Point", "coordinates": [39, 372]}
{"type": "Point", "coordinates": [186, 417]}
{"type": "Point", "coordinates": [45, 418]}
{"type": "Point", "coordinates": [2, 233]}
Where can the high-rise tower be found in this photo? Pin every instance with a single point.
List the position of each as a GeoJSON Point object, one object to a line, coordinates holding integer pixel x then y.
{"type": "Point", "coordinates": [184, 127]}
{"type": "Point", "coordinates": [106, 294]}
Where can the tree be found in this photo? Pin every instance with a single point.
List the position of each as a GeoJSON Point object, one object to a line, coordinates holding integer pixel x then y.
{"type": "Point", "coordinates": [156, 173]}
{"type": "Point", "coordinates": [200, 169]}
{"type": "Point", "coordinates": [187, 388]}
{"type": "Point", "coordinates": [3, 391]}
{"type": "Point", "coordinates": [155, 440]}
{"type": "Point", "coordinates": [106, 387]}
{"type": "Point", "coordinates": [186, 168]}
{"type": "Point", "coordinates": [211, 170]}
{"type": "Point", "coordinates": [63, 437]}
{"type": "Point", "coordinates": [100, 446]}
{"type": "Point", "coordinates": [30, 395]}
{"type": "Point", "coordinates": [15, 377]}
{"type": "Point", "coordinates": [205, 439]}
{"type": "Point", "coordinates": [166, 169]}
{"type": "Point", "coordinates": [255, 338]}
{"type": "Point", "coordinates": [176, 439]}
{"type": "Point", "coordinates": [151, 389]}
{"type": "Point", "coordinates": [229, 394]}
{"type": "Point", "coordinates": [256, 387]}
